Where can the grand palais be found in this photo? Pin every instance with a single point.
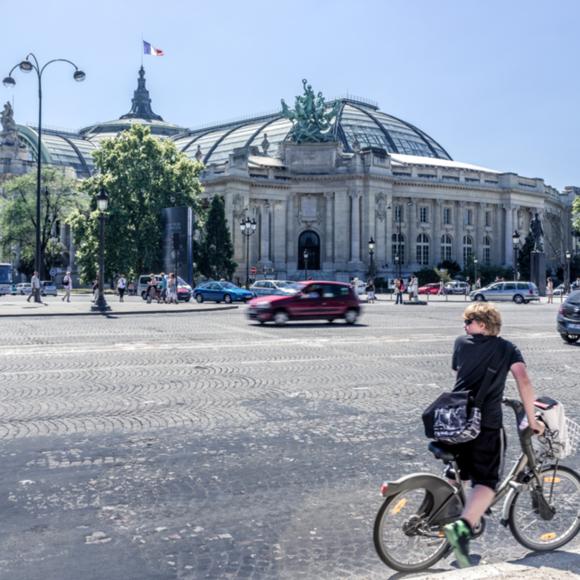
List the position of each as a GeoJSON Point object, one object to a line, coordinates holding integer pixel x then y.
{"type": "Point", "coordinates": [378, 177]}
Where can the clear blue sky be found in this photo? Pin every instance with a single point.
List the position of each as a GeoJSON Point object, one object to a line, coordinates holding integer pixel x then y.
{"type": "Point", "coordinates": [495, 82]}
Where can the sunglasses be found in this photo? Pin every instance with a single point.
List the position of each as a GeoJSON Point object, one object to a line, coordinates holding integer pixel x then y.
{"type": "Point", "coordinates": [468, 321]}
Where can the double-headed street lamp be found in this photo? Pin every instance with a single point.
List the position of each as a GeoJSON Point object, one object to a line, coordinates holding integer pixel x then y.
{"type": "Point", "coordinates": [29, 64]}
{"type": "Point", "coordinates": [372, 258]}
{"type": "Point", "coordinates": [516, 245]}
{"type": "Point", "coordinates": [568, 255]}
{"type": "Point", "coordinates": [102, 203]}
{"type": "Point", "coordinates": [305, 255]}
{"type": "Point", "coordinates": [248, 227]}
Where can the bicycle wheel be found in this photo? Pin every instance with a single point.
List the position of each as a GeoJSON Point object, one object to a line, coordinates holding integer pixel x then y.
{"type": "Point", "coordinates": [403, 538]}
{"type": "Point", "coordinates": [562, 492]}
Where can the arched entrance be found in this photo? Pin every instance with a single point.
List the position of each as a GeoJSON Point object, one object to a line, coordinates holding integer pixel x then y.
{"type": "Point", "coordinates": [310, 241]}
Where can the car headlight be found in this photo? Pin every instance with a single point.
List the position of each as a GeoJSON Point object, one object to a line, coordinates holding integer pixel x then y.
{"type": "Point", "coordinates": [263, 305]}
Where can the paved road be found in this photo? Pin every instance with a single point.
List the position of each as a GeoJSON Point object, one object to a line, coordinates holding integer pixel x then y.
{"type": "Point", "coordinates": [198, 446]}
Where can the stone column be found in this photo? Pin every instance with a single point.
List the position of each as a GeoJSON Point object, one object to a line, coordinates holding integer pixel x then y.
{"type": "Point", "coordinates": [478, 236]}
{"type": "Point", "coordinates": [458, 238]}
{"type": "Point", "coordinates": [279, 237]}
{"type": "Point", "coordinates": [507, 235]}
{"type": "Point", "coordinates": [389, 230]}
{"type": "Point", "coordinates": [329, 233]}
{"type": "Point", "coordinates": [411, 218]}
{"type": "Point", "coordinates": [355, 198]}
{"type": "Point", "coordinates": [341, 229]}
{"type": "Point", "coordinates": [292, 239]}
{"type": "Point", "coordinates": [436, 232]}
{"type": "Point", "coordinates": [265, 233]}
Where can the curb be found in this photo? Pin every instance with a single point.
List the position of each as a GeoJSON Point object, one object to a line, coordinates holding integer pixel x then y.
{"type": "Point", "coordinates": [115, 312]}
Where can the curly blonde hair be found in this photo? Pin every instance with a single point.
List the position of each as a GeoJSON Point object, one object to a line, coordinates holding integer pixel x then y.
{"type": "Point", "coordinates": [486, 313]}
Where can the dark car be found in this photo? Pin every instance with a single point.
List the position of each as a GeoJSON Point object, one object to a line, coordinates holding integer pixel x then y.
{"type": "Point", "coordinates": [314, 301]}
{"type": "Point", "coordinates": [569, 318]}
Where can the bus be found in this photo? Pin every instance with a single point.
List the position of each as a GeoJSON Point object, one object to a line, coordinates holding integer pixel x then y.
{"type": "Point", "coordinates": [5, 278]}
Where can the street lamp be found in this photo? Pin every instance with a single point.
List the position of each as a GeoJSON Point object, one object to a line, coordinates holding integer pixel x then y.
{"type": "Point", "coordinates": [29, 64]}
{"type": "Point", "coordinates": [398, 266]}
{"type": "Point", "coordinates": [248, 227]}
{"type": "Point", "coordinates": [475, 272]}
{"type": "Point", "coordinates": [568, 255]}
{"type": "Point", "coordinates": [516, 245]}
{"type": "Point", "coordinates": [102, 203]}
{"type": "Point", "coordinates": [372, 258]}
{"type": "Point", "coordinates": [305, 255]}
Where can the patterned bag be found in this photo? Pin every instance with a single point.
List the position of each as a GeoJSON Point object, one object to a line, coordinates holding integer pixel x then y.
{"type": "Point", "coordinates": [455, 417]}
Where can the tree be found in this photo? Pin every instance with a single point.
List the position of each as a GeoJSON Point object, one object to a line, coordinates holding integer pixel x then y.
{"type": "Point", "coordinates": [524, 258]}
{"type": "Point", "coordinates": [452, 267]}
{"type": "Point", "coordinates": [216, 250]}
{"type": "Point", "coordinates": [142, 175]}
{"type": "Point", "coordinates": [576, 214]}
{"type": "Point", "coordinates": [59, 199]}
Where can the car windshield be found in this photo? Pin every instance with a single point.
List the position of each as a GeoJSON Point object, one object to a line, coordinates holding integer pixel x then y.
{"type": "Point", "coordinates": [289, 286]}
{"type": "Point", "coordinates": [574, 298]}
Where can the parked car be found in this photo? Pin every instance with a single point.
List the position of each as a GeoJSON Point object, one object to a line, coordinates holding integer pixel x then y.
{"type": "Point", "coordinates": [457, 287]}
{"type": "Point", "coordinates": [568, 319]}
{"type": "Point", "coordinates": [184, 290]}
{"type": "Point", "coordinates": [518, 292]}
{"type": "Point", "coordinates": [48, 288]}
{"type": "Point", "coordinates": [274, 288]}
{"type": "Point", "coordinates": [221, 292]}
{"type": "Point", "coordinates": [560, 289]}
{"type": "Point", "coordinates": [23, 288]}
{"type": "Point", "coordinates": [431, 288]}
{"type": "Point", "coordinates": [315, 301]}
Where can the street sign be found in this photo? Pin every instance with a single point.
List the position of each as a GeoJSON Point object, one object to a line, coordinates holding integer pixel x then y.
{"type": "Point", "coordinates": [253, 270]}
{"type": "Point", "coordinates": [53, 272]}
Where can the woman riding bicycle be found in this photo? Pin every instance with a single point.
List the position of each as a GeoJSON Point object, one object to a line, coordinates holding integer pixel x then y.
{"type": "Point", "coordinates": [479, 460]}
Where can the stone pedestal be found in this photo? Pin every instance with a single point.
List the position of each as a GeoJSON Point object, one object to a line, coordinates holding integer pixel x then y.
{"type": "Point", "coordinates": [538, 271]}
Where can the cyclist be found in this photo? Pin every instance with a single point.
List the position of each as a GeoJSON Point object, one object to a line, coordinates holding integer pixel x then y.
{"type": "Point", "coordinates": [479, 460]}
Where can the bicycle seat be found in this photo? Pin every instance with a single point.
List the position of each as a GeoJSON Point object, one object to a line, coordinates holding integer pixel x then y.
{"type": "Point", "coordinates": [441, 452]}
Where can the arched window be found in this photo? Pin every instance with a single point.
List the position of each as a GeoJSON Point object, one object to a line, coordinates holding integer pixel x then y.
{"type": "Point", "coordinates": [467, 249]}
{"type": "Point", "coordinates": [486, 250]}
{"type": "Point", "coordinates": [446, 245]}
{"type": "Point", "coordinates": [423, 249]}
{"type": "Point", "coordinates": [399, 248]}
{"type": "Point", "coordinates": [310, 241]}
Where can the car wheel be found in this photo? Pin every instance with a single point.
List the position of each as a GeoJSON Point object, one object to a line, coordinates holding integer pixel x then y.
{"type": "Point", "coordinates": [479, 298]}
{"type": "Point", "coordinates": [570, 338]}
{"type": "Point", "coordinates": [280, 318]}
{"type": "Point", "coordinates": [199, 298]}
{"type": "Point", "coordinates": [227, 299]}
{"type": "Point", "coordinates": [330, 320]}
{"type": "Point", "coordinates": [350, 316]}
{"type": "Point", "coordinates": [144, 295]}
{"type": "Point", "coordinates": [518, 299]}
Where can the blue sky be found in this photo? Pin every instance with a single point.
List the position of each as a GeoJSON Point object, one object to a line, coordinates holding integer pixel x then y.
{"type": "Point", "coordinates": [495, 82]}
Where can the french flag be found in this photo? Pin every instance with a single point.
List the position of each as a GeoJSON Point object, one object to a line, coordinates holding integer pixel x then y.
{"type": "Point", "coordinates": [151, 50]}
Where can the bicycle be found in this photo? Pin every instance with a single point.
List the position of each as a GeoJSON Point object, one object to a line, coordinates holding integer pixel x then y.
{"type": "Point", "coordinates": [541, 506]}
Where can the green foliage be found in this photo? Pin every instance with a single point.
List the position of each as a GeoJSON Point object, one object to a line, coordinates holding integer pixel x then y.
{"type": "Point", "coordinates": [488, 274]}
{"type": "Point", "coordinates": [216, 250]}
{"type": "Point", "coordinates": [524, 258]}
{"type": "Point", "coordinates": [576, 214]}
{"type": "Point", "coordinates": [142, 175]}
{"type": "Point", "coordinates": [427, 276]}
{"type": "Point", "coordinates": [452, 267]}
{"type": "Point", "coordinates": [59, 199]}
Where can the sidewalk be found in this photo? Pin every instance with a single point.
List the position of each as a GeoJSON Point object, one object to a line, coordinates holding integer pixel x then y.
{"type": "Point", "coordinates": [80, 305]}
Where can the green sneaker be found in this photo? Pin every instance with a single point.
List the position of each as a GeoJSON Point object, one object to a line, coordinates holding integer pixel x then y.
{"type": "Point", "coordinates": [458, 535]}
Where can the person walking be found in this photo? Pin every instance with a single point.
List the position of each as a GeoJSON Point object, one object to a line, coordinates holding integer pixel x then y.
{"type": "Point", "coordinates": [163, 286]}
{"type": "Point", "coordinates": [172, 289]}
{"type": "Point", "coordinates": [67, 286]}
{"type": "Point", "coordinates": [441, 290]}
{"type": "Point", "coordinates": [413, 289]}
{"type": "Point", "coordinates": [371, 291]}
{"type": "Point", "coordinates": [399, 290]}
{"type": "Point", "coordinates": [550, 290]}
{"type": "Point", "coordinates": [34, 288]}
{"type": "Point", "coordinates": [121, 287]}
{"type": "Point", "coordinates": [152, 293]}
{"type": "Point", "coordinates": [479, 460]}
{"type": "Point", "coordinates": [95, 290]}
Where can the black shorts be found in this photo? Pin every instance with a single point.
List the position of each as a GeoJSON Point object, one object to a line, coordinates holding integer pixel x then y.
{"type": "Point", "coordinates": [480, 460]}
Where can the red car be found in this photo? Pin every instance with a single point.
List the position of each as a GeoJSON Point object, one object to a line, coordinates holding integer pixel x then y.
{"type": "Point", "coordinates": [432, 288]}
{"type": "Point", "coordinates": [314, 301]}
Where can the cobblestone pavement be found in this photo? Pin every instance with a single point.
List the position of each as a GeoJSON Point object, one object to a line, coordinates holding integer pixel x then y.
{"type": "Point", "coordinates": [199, 446]}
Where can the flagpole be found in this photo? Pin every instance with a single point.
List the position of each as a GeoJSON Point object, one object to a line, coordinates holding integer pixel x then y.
{"type": "Point", "coordinates": [142, 50]}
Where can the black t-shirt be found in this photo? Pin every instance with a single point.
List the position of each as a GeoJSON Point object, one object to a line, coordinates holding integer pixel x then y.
{"type": "Point", "coordinates": [472, 354]}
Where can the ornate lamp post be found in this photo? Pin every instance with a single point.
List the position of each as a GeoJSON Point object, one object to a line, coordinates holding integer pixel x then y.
{"type": "Point", "coordinates": [305, 255]}
{"type": "Point", "coordinates": [102, 204]}
{"type": "Point", "coordinates": [372, 258]}
{"type": "Point", "coordinates": [568, 255]}
{"type": "Point", "coordinates": [516, 245]}
{"type": "Point", "coordinates": [29, 64]}
{"type": "Point", "coordinates": [248, 227]}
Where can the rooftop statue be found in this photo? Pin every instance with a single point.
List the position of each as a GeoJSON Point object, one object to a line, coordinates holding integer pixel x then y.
{"type": "Point", "coordinates": [537, 232]}
{"type": "Point", "coordinates": [312, 118]}
{"type": "Point", "coordinates": [9, 134]}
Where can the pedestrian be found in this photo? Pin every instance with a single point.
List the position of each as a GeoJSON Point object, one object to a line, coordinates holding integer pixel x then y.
{"type": "Point", "coordinates": [152, 293]}
{"type": "Point", "coordinates": [371, 291]}
{"type": "Point", "coordinates": [576, 285]}
{"type": "Point", "coordinates": [67, 286]}
{"type": "Point", "coordinates": [163, 287]}
{"type": "Point", "coordinates": [550, 290]}
{"type": "Point", "coordinates": [413, 289]}
{"type": "Point", "coordinates": [479, 460]}
{"type": "Point", "coordinates": [34, 288]}
{"type": "Point", "coordinates": [95, 290]}
{"type": "Point", "coordinates": [121, 287]}
{"type": "Point", "coordinates": [399, 290]}
{"type": "Point", "coordinates": [441, 290]}
{"type": "Point", "coordinates": [172, 289]}
{"type": "Point", "coordinates": [478, 284]}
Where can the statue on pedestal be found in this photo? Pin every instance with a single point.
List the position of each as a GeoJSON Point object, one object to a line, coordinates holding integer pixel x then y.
{"type": "Point", "coordinates": [9, 134]}
{"type": "Point", "coordinates": [537, 232]}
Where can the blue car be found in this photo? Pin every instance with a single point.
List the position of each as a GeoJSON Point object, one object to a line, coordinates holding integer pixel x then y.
{"type": "Point", "coordinates": [221, 292]}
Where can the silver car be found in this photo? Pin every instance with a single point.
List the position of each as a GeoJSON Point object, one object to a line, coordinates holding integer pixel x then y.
{"type": "Point", "coordinates": [274, 288]}
{"type": "Point", "coordinates": [518, 292]}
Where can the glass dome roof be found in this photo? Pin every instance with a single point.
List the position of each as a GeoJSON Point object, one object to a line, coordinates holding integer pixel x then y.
{"type": "Point", "coordinates": [359, 124]}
